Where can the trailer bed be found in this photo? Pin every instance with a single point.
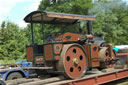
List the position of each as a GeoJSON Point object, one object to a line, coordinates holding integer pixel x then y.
{"type": "Point", "coordinates": [93, 77]}
{"type": "Point", "coordinates": [96, 78]}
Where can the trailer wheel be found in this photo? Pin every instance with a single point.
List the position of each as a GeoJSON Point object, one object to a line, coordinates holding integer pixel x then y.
{"type": "Point", "coordinates": [2, 82]}
{"type": "Point", "coordinates": [14, 75]}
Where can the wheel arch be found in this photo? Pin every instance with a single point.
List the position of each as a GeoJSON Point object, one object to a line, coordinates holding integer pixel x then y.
{"type": "Point", "coordinates": [19, 71]}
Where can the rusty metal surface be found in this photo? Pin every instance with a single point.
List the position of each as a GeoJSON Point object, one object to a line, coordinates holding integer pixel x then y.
{"type": "Point", "coordinates": [96, 78]}
{"type": "Point", "coordinates": [48, 52]}
{"type": "Point", "coordinates": [67, 37]}
{"type": "Point", "coordinates": [70, 37]}
{"type": "Point", "coordinates": [44, 81]}
{"type": "Point", "coordinates": [119, 55]}
{"type": "Point", "coordinates": [94, 55]}
{"type": "Point", "coordinates": [73, 61]}
{"type": "Point", "coordinates": [20, 81]}
{"type": "Point", "coordinates": [103, 54]}
{"type": "Point", "coordinates": [29, 52]}
{"type": "Point", "coordinates": [86, 48]}
{"type": "Point", "coordinates": [107, 58]}
{"type": "Point", "coordinates": [55, 18]}
{"type": "Point", "coordinates": [33, 81]}
{"type": "Point", "coordinates": [122, 54]}
{"type": "Point", "coordinates": [57, 48]}
{"type": "Point", "coordinates": [125, 50]}
{"type": "Point", "coordinates": [93, 77]}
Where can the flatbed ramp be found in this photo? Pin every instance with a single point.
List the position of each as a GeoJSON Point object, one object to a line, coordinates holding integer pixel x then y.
{"type": "Point", "coordinates": [93, 77]}
{"type": "Point", "coordinates": [96, 78]}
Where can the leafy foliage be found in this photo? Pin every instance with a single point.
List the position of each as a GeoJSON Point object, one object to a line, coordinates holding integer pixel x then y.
{"type": "Point", "coordinates": [12, 41]}
{"type": "Point", "coordinates": [112, 21]}
{"type": "Point", "coordinates": [111, 17]}
{"type": "Point", "coordinates": [64, 6]}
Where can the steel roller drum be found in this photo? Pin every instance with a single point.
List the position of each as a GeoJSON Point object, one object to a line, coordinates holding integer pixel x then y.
{"type": "Point", "coordinates": [73, 61]}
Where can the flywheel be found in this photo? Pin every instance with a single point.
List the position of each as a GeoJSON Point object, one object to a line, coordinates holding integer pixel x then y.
{"type": "Point", "coordinates": [105, 60]}
{"type": "Point", "coordinates": [73, 61]}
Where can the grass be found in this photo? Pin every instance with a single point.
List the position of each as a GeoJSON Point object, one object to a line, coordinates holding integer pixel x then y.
{"type": "Point", "coordinates": [5, 61]}
{"type": "Point", "coordinates": [125, 83]}
{"type": "Point", "coordinates": [9, 61]}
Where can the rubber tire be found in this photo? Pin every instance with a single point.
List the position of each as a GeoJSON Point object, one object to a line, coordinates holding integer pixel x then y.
{"type": "Point", "coordinates": [2, 82]}
{"type": "Point", "coordinates": [14, 75]}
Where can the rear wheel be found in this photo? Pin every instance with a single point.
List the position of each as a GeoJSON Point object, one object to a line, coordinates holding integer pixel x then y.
{"type": "Point", "coordinates": [73, 61]}
{"type": "Point", "coordinates": [14, 75]}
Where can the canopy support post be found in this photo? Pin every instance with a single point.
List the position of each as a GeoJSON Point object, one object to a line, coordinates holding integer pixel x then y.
{"type": "Point", "coordinates": [42, 28]}
{"type": "Point", "coordinates": [32, 31]}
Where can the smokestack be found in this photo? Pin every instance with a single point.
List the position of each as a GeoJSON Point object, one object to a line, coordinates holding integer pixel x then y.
{"type": "Point", "coordinates": [89, 27]}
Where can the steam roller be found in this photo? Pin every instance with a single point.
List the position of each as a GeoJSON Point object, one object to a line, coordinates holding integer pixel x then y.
{"type": "Point", "coordinates": [68, 54]}
{"type": "Point", "coordinates": [71, 57]}
{"type": "Point", "coordinates": [73, 61]}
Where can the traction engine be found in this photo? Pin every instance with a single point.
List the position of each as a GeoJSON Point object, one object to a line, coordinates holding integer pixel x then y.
{"type": "Point", "coordinates": [70, 54]}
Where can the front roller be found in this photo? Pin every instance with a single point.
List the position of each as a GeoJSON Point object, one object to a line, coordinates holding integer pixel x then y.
{"type": "Point", "coordinates": [73, 61]}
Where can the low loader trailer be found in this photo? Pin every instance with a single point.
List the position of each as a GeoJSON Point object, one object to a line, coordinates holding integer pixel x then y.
{"type": "Point", "coordinates": [15, 71]}
{"type": "Point", "coordinates": [94, 77]}
{"type": "Point", "coordinates": [70, 58]}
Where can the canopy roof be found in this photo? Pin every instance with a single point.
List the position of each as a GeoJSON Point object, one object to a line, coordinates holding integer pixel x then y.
{"type": "Point", "coordinates": [55, 18]}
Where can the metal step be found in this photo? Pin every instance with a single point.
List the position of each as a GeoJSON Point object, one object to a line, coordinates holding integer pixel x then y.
{"type": "Point", "coordinates": [36, 68]}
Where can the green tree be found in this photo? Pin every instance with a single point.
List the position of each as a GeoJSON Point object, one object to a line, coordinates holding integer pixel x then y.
{"type": "Point", "coordinates": [111, 20]}
{"type": "Point", "coordinates": [38, 34]}
{"type": "Point", "coordinates": [12, 41]}
{"type": "Point", "coordinates": [63, 6]}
